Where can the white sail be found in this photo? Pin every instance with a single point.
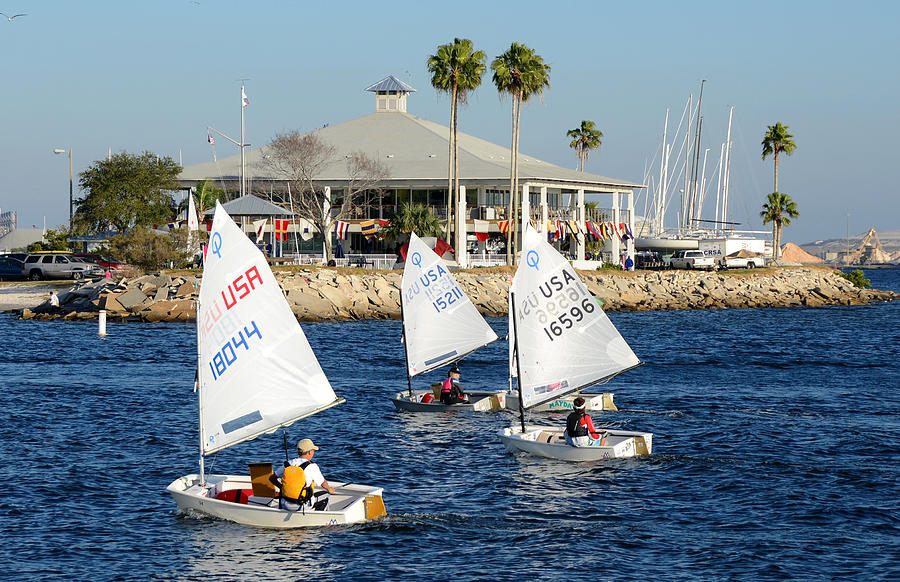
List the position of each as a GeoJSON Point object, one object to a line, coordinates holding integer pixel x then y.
{"type": "Point", "coordinates": [257, 370]}
{"type": "Point", "coordinates": [565, 341]}
{"type": "Point", "coordinates": [440, 323]}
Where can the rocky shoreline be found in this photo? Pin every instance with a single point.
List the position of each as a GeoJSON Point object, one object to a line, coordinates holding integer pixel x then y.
{"type": "Point", "coordinates": [320, 294]}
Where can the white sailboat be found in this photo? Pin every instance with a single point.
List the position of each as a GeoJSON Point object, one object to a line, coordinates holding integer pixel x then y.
{"type": "Point", "coordinates": [563, 342]}
{"type": "Point", "coordinates": [256, 373]}
{"type": "Point", "coordinates": [440, 326]}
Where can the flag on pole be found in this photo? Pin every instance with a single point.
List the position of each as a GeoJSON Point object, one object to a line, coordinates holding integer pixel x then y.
{"type": "Point", "coordinates": [481, 230]}
{"type": "Point", "coordinates": [503, 225]}
{"type": "Point", "coordinates": [245, 101]}
{"type": "Point", "coordinates": [341, 229]}
{"type": "Point", "coordinates": [260, 227]}
{"type": "Point", "coordinates": [209, 138]}
{"type": "Point", "coordinates": [192, 222]}
{"type": "Point", "coordinates": [368, 228]}
{"type": "Point", "coordinates": [281, 227]}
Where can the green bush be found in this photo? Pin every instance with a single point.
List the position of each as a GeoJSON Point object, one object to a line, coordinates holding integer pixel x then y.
{"type": "Point", "coordinates": [151, 251]}
{"type": "Point", "coordinates": [857, 277]}
{"type": "Point", "coordinates": [607, 266]}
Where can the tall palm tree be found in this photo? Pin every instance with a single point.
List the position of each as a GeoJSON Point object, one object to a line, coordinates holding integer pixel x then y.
{"type": "Point", "coordinates": [778, 209]}
{"type": "Point", "coordinates": [521, 73]}
{"type": "Point", "coordinates": [777, 140]}
{"type": "Point", "coordinates": [456, 68]}
{"type": "Point", "coordinates": [585, 139]}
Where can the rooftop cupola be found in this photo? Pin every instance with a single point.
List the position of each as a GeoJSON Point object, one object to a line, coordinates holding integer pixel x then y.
{"type": "Point", "coordinates": [390, 94]}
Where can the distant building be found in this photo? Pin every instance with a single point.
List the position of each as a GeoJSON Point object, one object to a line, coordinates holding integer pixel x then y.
{"type": "Point", "coordinates": [415, 150]}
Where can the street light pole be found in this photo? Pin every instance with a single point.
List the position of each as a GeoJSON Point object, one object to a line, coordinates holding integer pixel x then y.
{"type": "Point", "coordinates": [69, 151]}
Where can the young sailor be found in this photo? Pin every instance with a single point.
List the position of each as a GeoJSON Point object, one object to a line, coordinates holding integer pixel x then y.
{"type": "Point", "coordinates": [580, 428]}
{"type": "Point", "coordinates": [451, 391]}
{"type": "Point", "coordinates": [295, 485]}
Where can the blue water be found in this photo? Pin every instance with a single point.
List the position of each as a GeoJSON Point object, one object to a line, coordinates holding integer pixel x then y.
{"type": "Point", "coordinates": [775, 457]}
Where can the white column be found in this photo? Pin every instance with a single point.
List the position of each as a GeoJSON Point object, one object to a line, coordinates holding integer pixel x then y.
{"type": "Point", "coordinates": [580, 220]}
{"type": "Point", "coordinates": [526, 209]}
{"type": "Point", "coordinates": [615, 218]}
{"type": "Point", "coordinates": [461, 255]}
{"type": "Point", "coordinates": [630, 246]}
{"type": "Point", "coordinates": [545, 212]}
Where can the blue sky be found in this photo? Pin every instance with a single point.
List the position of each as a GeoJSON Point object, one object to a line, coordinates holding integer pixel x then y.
{"type": "Point", "coordinates": [138, 76]}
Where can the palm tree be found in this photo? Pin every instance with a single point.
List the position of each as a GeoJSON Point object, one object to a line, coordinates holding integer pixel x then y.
{"type": "Point", "coordinates": [777, 140]}
{"type": "Point", "coordinates": [456, 69]}
{"type": "Point", "coordinates": [521, 73]}
{"type": "Point", "coordinates": [416, 218]}
{"type": "Point", "coordinates": [205, 196]}
{"type": "Point", "coordinates": [584, 139]}
{"type": "Point", "coordinates": [778, 209]}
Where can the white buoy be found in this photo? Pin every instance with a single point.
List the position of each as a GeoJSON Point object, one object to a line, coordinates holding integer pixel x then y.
{"type": "Point", "coordinates": [102, 330]}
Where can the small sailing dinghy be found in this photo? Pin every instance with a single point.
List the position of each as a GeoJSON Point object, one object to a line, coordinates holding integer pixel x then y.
{"type": "Point", "coordinates": [257, 373]}
{"type": "Point", "coordinates": [440, 327]}
{"type": "Point", "coordinates": [562, 342]}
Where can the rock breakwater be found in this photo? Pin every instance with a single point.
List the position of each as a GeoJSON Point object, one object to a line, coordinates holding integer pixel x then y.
{"type": "Point", "coordinates": [318, 294]}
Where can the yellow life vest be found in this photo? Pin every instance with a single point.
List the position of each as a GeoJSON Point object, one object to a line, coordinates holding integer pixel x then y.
{"type": "Point", "coordinates": [293, 485]}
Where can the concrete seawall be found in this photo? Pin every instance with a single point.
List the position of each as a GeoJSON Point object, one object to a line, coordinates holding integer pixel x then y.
{"type": "Point", "coordinates": [318, 294]}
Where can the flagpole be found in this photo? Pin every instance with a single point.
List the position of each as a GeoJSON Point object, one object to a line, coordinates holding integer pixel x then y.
{"type": "Point", "coordinates": [297, 235]}
{"type": "Point", "coordinates": [242, 137]}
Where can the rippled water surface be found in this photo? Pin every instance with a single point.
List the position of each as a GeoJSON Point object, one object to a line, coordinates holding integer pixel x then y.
{"type": "Point", "coordinates": [775, 456]}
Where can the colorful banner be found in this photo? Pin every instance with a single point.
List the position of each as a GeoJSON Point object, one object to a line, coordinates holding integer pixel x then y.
{"type": "Point", "coordinates": [341, 229]}
{"type": "Point", "coordinates": [368, 228]}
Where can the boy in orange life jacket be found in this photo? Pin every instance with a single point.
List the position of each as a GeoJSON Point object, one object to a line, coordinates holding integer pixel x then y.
{"type": "Point", "coordinates": [451, 391]}
{"type": "Point", "coordinates": [305, 449]}
{"type": "Point", "coordinates": [580, 428]}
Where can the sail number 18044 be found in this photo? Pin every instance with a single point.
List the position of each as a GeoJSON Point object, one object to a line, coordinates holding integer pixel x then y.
{"type": "Point", "coordinates": [568, 318]}
{"type": "Point", "coordinates": [228, 354]}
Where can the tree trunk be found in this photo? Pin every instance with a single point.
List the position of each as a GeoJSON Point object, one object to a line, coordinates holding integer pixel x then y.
{"type": "Point", "coordinates": [450, 155]}
{"type": "Point", "coordinates": [516, 208]}
{"type": "Point", "coordinates": [776, 168]}
{"type": "Point", "coordinates": [456, 173]}
{"type": "Point", "coordinates": [512, 186]}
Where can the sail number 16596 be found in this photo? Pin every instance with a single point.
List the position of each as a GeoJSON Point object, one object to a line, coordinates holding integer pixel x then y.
{"type": "Point", "coordinates": [568, 318]}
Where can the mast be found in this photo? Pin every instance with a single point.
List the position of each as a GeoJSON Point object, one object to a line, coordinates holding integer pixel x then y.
{"type": "Point", "coordinates": [663, 178]}
{"type": "Point", "coordinates": [695, 161]}
{"type": "Point", "coordinates": [199, 392]}
{"type": "Point", "coordinates": [512, 316]}
{"type": "Point", "coordinates": [726, 183]}
{"type": "Point", "coordinates": [405, 347]}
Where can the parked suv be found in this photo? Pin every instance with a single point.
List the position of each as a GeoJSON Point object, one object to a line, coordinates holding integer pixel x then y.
{"type": "Point", "coordinates": [58, 265]}
{"type": "Point", "coordinates": [648, 260]}
{"type": "Point", "coordinates": [102, 260]}
{"type": "Point", "coordinates": [692, 260]}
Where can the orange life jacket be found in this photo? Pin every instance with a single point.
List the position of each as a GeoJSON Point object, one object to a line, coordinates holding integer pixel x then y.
{"type": "Point", "coordinates": [293, 484]}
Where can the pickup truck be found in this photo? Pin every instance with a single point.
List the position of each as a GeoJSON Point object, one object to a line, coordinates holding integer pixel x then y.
{"type": "Point", "coordinates": [744, 262]}
{"type": "Point", "coordinates": [692, 260]}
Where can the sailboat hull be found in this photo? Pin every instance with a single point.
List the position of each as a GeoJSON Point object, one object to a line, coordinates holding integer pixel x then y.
{"type": "Point", "coordinates": [351, 503]}
{"type": "Point", "coordinates": [478, 402]}
{"type": "Point", "coordinates": [595, 402]}
{"type": "Point", "coordinates": [547, 441]}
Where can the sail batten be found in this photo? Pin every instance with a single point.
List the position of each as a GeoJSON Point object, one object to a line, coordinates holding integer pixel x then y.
{"type": "Point", "coordinates": [257, 371]}
{"type": "Point", "coordinates": [565, 342]}
{"type": "Point", "coordinates": [440, 323]}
